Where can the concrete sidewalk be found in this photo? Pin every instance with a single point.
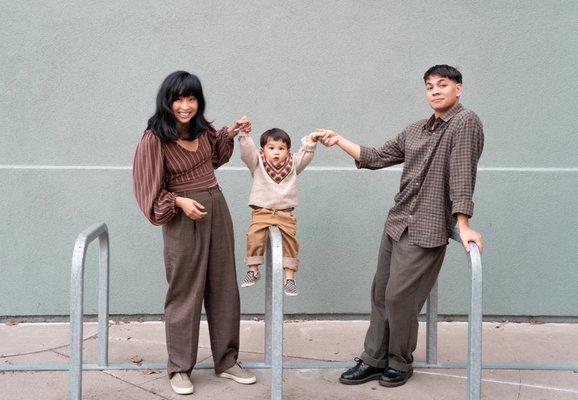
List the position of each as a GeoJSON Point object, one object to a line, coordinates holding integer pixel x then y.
{"type": "Point", "coordinates": [42, 343]}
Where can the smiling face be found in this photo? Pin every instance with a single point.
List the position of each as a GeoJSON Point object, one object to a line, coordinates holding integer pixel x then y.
{"type": "Point", "coordinates": [184, 109]}
{"type": "Point", "coordinates": [275, 151]}
{"type": "Point", "coordinates": [442, 93]}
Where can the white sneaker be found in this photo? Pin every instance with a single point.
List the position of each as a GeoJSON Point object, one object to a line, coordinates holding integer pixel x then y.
{"type": "Point", "coordinates": [239, 374]}
{"type": "Point", "coordinates": [181, 383]}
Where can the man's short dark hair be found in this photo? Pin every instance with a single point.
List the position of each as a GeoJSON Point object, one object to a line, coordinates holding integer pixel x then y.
{"type": "Point", "coordinates": [276, 134]}
{"type": "Point", "coordinates": [447, 71]}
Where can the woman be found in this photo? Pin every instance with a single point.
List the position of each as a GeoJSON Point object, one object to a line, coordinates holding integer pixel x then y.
{"type": "Point", "coordinates": [175, 186]}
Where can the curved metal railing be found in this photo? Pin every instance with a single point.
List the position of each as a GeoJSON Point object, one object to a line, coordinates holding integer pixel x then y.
{"type": "Point", "coordinates": [474, 365]}
{"type": "Point", "coordinates": [99, 231]}
{"type": "Point", "coordinates": [274, 320]}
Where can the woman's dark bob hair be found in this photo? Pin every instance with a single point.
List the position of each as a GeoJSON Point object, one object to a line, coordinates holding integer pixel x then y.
{"type": "Point", "coordinates": [163, 123]}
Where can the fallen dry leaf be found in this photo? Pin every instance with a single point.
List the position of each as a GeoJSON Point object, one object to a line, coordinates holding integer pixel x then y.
{"type": "Point", "coordinates": [136, 359]}
{"type": "Point", "coordinates": [150, 372]}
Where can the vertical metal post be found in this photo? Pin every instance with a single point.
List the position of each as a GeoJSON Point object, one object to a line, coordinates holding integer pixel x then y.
{"type": "Point", "coordinates": [268, 306]}
{"type": "Point", "coordinates": [103, 288]}
{"type": "Point", "coordinates": [475, 326]}
{"type": "Point", "coordinates": [432, 327]}
{"type": "Point", "coordinates": [274, 318]}
{"type": "Point", "coordinates": [76, 311]}
{"type": "Point", "coordinates": [474, 320]}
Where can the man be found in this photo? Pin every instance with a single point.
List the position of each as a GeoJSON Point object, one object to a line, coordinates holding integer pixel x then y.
{"type": "Point", "coordinates": [440, 157]}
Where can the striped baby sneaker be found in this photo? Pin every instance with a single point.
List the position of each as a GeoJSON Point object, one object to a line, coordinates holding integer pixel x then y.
{"type": "Point", "coordinates": [290, 288]}
{"type": "Point", "coordinates": [251, 278]}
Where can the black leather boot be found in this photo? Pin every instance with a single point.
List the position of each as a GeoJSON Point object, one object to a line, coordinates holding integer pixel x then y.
{"type": "Point", "coordinates": [361, 373]}
{"type": "Point", "coordinates": [392, 377]}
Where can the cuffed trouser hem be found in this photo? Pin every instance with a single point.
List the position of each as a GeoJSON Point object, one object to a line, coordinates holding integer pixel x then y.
{"type": "Point", "coordinates": [291, 263]}
{"type": "Point", "coordinates": [399, 365]}
{"type": "Point", "coordinates": [254, 260]}
{"type": "Point", "coordinates": [374, 362]}
{"type": "Point", "coordinates": [225, 366]}
{"type": "Point", "coordinates": [288, 262]}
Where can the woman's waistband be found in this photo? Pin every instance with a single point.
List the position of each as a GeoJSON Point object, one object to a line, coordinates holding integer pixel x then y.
{"type": "Point", "coordinates": [194, 183]}
{"type": "Point", "coordinates": [190, 192]}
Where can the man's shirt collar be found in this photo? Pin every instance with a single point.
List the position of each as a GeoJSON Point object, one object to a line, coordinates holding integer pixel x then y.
{"type": "Point", "coordinates": [446, 117]}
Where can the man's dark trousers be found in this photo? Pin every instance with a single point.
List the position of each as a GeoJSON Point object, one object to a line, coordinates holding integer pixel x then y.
{"type": "Point", "coordinates": [404, 277]}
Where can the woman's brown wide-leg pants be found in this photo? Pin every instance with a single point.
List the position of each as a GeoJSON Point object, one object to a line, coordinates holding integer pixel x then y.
{"type": "Point", "coordinates": [200, 265]}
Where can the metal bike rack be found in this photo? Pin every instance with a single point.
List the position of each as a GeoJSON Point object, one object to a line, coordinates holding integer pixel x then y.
{"type": "Point", "coordinates": [273, 347]}
{"type": "Point", "coordinates": [273, 350]}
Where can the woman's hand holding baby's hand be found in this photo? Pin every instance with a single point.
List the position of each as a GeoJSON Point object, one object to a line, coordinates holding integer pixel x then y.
{"type": "Point", "coordinates": [242, 124]}
{"type": "Point", "coordinates": [192, 209]}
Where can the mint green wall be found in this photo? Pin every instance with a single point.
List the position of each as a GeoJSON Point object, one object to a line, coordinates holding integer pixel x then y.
{"type": "Point", "coordinates": [78, 82]}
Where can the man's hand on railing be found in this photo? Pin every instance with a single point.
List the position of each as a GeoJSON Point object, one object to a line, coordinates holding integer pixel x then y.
{"type": "Point", "coordinates": [467, 234]}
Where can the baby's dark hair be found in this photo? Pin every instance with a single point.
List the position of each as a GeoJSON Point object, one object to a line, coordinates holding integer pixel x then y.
{"type": "Point", "coordinates": [447, 71]}
{"type": "Point", "coordinates": [275, 134]}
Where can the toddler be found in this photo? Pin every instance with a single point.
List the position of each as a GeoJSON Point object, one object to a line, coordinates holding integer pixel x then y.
{"type": "Point", "coordinates": [273, 198]}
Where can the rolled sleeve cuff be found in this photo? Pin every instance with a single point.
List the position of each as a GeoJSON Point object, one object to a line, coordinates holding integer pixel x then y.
{"type": "Point", "coordinates": [364, 157]}
{"type": "Point", "coordinates": [463, 207]}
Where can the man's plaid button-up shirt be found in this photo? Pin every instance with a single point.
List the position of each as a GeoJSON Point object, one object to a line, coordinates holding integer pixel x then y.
{"type": "Point", "coordinates": [440, 157]}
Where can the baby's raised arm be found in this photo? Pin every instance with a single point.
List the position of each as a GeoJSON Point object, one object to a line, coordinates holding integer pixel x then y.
{"type": "Point", "coordinates": [306, 152]}
{"type": "Point", "coordinates": [249, 152]}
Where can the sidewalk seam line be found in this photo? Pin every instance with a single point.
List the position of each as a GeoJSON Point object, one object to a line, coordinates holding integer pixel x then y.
{"type": "Point", "coordinates": [519, 384]}
{"type": "Point", "coordinates": [50, 349]}
{"type": "Point", "coordinates": [137, 386]}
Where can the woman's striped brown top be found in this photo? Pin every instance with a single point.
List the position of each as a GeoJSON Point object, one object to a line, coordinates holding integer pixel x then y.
{"type": "Point", "coordinates": [162, 170]}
